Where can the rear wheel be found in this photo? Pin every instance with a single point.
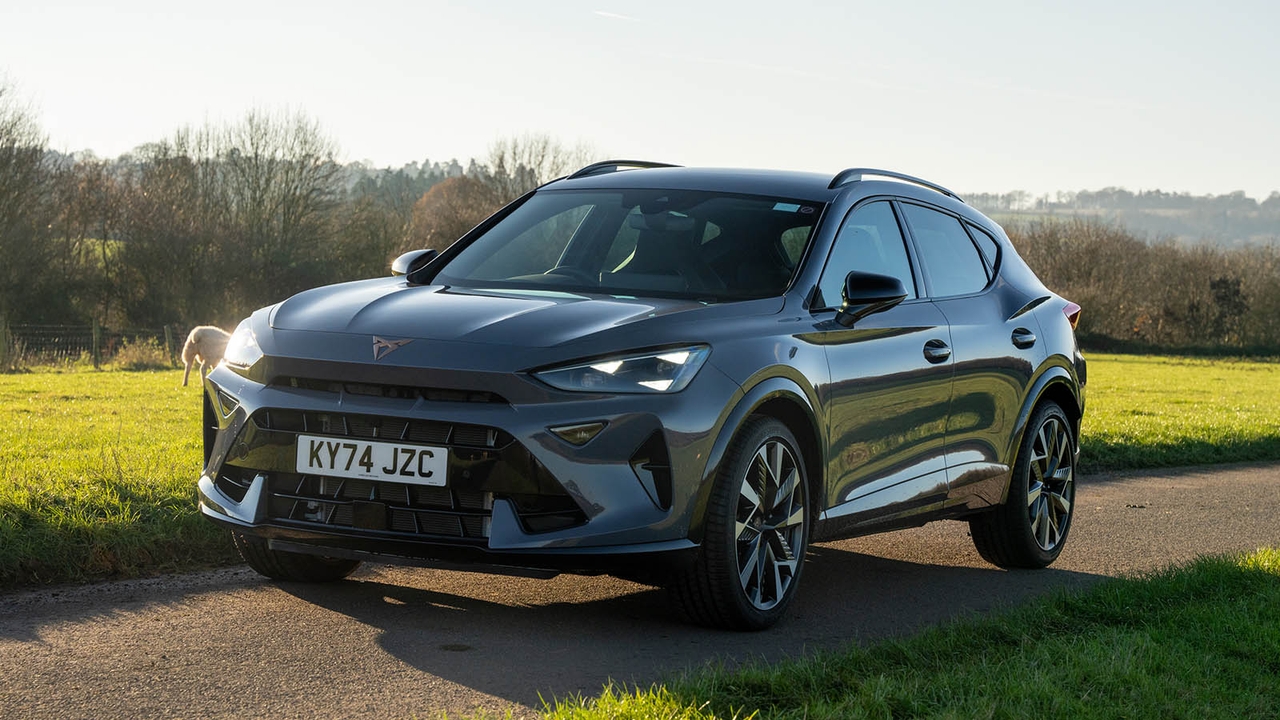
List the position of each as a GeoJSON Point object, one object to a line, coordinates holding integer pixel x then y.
{"type": "Point", "coordinates": [1030, 528]}
{"type": "Point", "coordinates": [757, 531]}
{"type": "Point", "coordinates": [281, 565]}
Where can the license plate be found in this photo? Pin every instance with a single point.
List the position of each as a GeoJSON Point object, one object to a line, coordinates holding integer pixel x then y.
{"type": "Point", "coordinates": [366, 460]}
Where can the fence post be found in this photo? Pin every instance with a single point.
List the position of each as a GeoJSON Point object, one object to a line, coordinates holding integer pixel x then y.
{"type": "Point", "coordinates": [168, 342]}
{"type": "Point", "coordinates": [97, 344]}
{"type": "Point", "coordinates": [4, 344]}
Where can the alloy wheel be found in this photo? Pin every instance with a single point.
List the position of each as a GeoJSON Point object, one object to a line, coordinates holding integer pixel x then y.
{"type": "Point", "coordinates": [1051, 485]}
{"type": "Point", "coordinates": [770, 524]}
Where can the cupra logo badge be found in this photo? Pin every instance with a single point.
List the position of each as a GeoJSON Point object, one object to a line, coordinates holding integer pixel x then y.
{"type": "Point", "coordinates": [383, 347]}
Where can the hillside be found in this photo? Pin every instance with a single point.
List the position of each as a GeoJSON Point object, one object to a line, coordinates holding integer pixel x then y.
{"type": "Point", "coordinates": [1231, 220]}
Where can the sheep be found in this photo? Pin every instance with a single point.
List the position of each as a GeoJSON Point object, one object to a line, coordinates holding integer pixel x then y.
{"type": "Point", "coordinates": [206, 343]}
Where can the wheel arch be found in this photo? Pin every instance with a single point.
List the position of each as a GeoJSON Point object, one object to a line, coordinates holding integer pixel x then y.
{"type": "Point", "coordinates": [1056, 383]}
{"type": "Point", "coordinates": [776, 397]}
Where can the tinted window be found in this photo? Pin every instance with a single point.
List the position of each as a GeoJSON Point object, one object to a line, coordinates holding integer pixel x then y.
{"type": "Point", "coordinates": [948, 255]}
{"type": "Point", "coordinates": [677, 243]}
{"type": "Point", "coordinates": [987, 244]}
{"type": "Point", "coordinates": [793, 243]}
{"type": "Point", "coordinates": [535, 249]}
{"type": "Point", "coordinates": [869, 241]}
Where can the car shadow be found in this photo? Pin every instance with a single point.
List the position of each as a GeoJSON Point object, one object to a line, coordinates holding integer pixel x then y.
{"type": "Point", "coordinates": [523, 643]}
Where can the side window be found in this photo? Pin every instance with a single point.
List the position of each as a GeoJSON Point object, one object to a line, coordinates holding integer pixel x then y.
{"type": "Point", "coordinates": [869, 241]}
{"type": "Point", "coordinates": [987, 244]}
{"type": "Point", "coordinates": [948, 255]}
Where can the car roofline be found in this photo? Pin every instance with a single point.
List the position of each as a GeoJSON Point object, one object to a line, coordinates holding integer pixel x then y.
{"type": "Point", "coordinates": [809, 183]}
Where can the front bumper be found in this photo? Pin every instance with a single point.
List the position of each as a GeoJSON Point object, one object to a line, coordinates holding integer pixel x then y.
{"type": "Point", "coordinates": [517, 496]}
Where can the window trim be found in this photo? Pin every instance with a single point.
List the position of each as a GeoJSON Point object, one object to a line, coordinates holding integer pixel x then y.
{"type": "Point", "coordinates": [993, 267]}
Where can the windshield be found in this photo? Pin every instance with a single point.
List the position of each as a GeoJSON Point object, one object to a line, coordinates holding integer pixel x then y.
{"type": "Point", "coordinates": [669, 243]}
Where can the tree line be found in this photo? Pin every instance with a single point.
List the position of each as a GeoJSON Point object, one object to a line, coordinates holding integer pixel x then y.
{"type": "Point", "coordinates": [1154, 296]}
{"type": "Point", "coordinates": [213, 222]}
{"type": "Point", "coordinates": [1230, 220]}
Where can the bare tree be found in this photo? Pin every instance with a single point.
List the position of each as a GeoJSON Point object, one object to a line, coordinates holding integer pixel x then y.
{"type": "Point", "coordinates": [24, 208]}
{"type": "Point", "coordinates": [515, 166]}
{"type": "Point", "coordinates": [84, 228]}
{"type": "Point", "coordinates": [448, 210]}
{"type": "Point", "coordinates": [520, 164]}
{"type": "Point", "coordinates": [225, 219]}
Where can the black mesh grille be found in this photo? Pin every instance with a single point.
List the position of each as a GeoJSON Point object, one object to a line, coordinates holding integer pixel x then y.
{"type": "Point", "coordinates": [483, 463]}
{"type": "Point", "coordinates": [376, 427]}
{"type": "Point", "coordinates": [376, 506]}
{"type": "Point", "coordinates": [544, 513]}
{"type": "Point", "coordinates": [234, 481]}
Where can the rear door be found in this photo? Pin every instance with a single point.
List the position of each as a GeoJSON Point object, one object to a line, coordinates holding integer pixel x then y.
{"type": "Point", "coordinates": [994, 349]}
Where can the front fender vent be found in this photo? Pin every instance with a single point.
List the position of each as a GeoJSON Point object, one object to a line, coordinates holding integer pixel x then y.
{"type": "Point", "coordinates": [652, 466]}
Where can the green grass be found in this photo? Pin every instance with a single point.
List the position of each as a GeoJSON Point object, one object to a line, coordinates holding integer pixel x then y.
{"type": "Point", "coordinates": [98, 469]}
{"type": "Point", "coordinates": [1199, 641]}
{"type": "Point", "coordinates": [97, 477]}
{"type": "Point", "coordinates": [1155, 411]}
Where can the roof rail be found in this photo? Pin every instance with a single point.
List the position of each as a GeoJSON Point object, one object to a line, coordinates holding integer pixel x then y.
{"type": "Point", "coordinates": [844, 177]}
{"type": "Point", "coordinates": [605, 166]}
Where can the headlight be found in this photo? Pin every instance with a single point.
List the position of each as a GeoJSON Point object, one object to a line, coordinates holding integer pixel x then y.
{"type": "Point", "coordinates": [659, 371]}
{"type": "Point", "coordinates": [242, 348]}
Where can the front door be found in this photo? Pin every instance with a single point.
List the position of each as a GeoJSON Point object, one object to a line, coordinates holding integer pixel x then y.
{"type": "Point", "coordinates": [887, 402]}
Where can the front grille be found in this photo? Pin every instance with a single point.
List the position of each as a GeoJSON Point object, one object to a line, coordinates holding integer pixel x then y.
{"type": "Point", "coordinates": [484, 463]}
{"type": "Point", "coordinates": [375, 506]}
{"type": "Point", "coordinates": [386, 428]}
{"type": "Point", "coordinates": [391, 391]}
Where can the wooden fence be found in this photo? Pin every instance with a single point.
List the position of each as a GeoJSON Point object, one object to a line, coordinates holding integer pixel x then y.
{"type": "Point", "coordinates": [24, 346]}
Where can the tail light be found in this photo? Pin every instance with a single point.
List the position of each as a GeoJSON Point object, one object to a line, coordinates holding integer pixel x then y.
{"type": "Point", "coordinates": [1072, 311]}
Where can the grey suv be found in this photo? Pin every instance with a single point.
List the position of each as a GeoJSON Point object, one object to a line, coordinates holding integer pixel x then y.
{"type": "Point", "coordinates": [681, 376]}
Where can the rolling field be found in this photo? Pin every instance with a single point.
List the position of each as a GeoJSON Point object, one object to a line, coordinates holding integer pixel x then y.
{"type": "Point", "coordinates": [99, 468]}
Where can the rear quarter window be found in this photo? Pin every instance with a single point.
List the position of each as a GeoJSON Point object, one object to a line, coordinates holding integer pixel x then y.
{"type": "Point", "coordinates": [946, 251]}
{"type": "Point", "coordinates": [986, 244]}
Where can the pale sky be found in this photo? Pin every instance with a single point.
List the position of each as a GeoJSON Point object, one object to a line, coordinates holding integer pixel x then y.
{"type": "Point", "coordinates": [978, 95]}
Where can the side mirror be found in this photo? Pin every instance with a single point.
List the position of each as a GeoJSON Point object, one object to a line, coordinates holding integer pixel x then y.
{"type": "Point", "coordinates": [868, 293]}
{"type": "Point", "coordinates": [412, 261]}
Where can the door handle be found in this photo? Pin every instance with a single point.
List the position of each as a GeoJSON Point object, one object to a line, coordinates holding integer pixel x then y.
{"type": "Point", "coordinates": [1023, 338]}
{"type": "Point", "coordinates": [936, 351]}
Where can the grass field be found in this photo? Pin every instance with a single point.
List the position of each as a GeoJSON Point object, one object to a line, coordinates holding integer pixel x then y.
{"type": "Point", "coordinates": [99, 472]}
{"type": "Point", "coordinates": [99, 468]}
{"type": "Point", "coordinates": [1152, 411]}
{"type": "Point", "coordinates": [1201, 641]}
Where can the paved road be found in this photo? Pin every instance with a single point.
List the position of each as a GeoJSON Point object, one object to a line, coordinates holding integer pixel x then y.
{"type": "Point", "coordinates": [394, 642]}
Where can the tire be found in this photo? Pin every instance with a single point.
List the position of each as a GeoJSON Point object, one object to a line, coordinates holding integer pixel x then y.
{"type": "Point", "coordinates": [298, 567]}
{"type": "Point", "coordinates": [1030, 528]}
{"type": "Point", "coordinates": [749, 567]}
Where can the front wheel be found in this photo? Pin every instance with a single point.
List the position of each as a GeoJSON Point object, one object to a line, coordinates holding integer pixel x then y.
{"type": "Point", "coordinates": [281, 565]}
{"type": "Point", "coordinates": [757, 532]}
{"type": "Point", "coordinates": [1030, 528]}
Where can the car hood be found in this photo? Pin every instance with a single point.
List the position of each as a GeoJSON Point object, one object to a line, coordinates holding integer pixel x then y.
{"type": "Point", "coordinates": [527, 318]}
